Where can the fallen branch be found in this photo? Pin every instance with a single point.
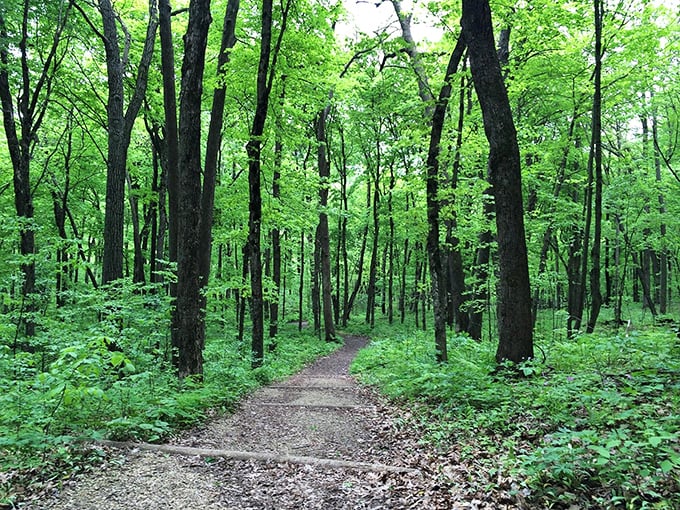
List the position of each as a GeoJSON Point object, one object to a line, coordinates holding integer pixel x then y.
{"type": "Point", "coordinates": [262, 456]}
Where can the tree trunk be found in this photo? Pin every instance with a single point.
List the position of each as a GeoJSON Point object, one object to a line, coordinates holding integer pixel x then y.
{"type": "Point", "coordinates": [189, 312]}
{"type": "Point", "coordinates": [458, 318]}
{"type": "Point", "coordinates": [275, 235]}
{"type": "Point", "coordinates": [343, 228]}
{"type": "Point", "coordinates": [213, 144]}
{"type": "Point", "coordinates": [265, 78]}
{"type": "Point", "coordinates": [138, 275]}
{"type": "Point", "coordinates": [373, 265]}
{"type": "Point", "coordinates": [480, 294]}
{"type": "Point", "coordinates": [169, 152]}
{"type": "Point", "coordinates": [548, 234]}
{"type": "Point", "coordinates": [437, 273]}
{"type": "Point", "coordinates": [390, 250]}
{"type": "Point", "coordinates": [596, 160]}
{"type": "Point", "coordinates": [301, 286]}
{"type": "Point", "coordinates": [513, 290]}
{"type": "Point", "coordinates": [663, 252]}
{"type": "Point", "coordinates": [360, 263]}
{"type": "Point", "coordinates": [322, 229]}
{"type": "Point", "coordinates": [119, 126]}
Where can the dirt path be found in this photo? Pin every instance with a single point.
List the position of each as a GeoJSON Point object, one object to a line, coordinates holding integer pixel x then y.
{"type": "Point", "coordinates": [320, 413]}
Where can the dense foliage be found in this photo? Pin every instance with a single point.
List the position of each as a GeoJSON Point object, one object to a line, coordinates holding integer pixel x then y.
{"type": "Point", "coordinates": [594, 424]}
{"type": "Point", "coordinates": [324, 220]}
{"type": "Point", "coordinates": [87, 379]}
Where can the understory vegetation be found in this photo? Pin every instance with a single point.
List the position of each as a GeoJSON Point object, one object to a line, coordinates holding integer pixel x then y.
{"type": "Point", "coordinates": [594, 425]}
{"type": "Point", "coordinates": [82, 379]}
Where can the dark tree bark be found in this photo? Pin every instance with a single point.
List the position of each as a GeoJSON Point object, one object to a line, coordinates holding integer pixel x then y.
{"type": "Point", "coordinates": [119, 125]}
{"type": "Point", "coordinates": [373, 264]}
{"type": "Point", "coordinates": [169, 151]}
{"type": "Point", "coordinates": [276, 241]}
{"type": "Point", "coordinates": [189, 314]}
{"type": "Point", "coordinates": [160, 188]}
{"type": "Point", "coordinates": [27, 114]}
{"type": "Point", "coordinates": [213, 143]}
{"type": "Point", "coordinates": [663, 252]}
{"type": "Point", "coordinates": [275, 233]}
{"type": "Point", "coordinates": [595, 160]}
{"type": "Point", "coordinates": [437, 273]}
{"type": "Point", "coordinates": [459, 319]}
{"type": "Point", "coordinates": [435, 112]}
{"type": "Point", "coordinates": [480, 293]}
{"type": "Point", "coordinates": [322, 228]}
{"type": "Point", "coordinates": [301, 286]}
{"type": "Point", "coordinates": [390, 249]}
{"type": "Point", "coordinates": [60, 204]}
{"type": "Point", "coordinates": [265, 78]}
{"type": "Point", "coordinates": [360, 262]}
{"type": "Point", "coordinates": [343, 229]}
{"type": "Point", "coordinates": [138, 263]}
{"type": "Point", "coordinates": [513, 291]}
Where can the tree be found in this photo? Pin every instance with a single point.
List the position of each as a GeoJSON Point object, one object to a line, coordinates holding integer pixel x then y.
{"type": "Point", "coordinates": [322, 238]}
{"type": "Point", "coordinates": [119, 126]}
{"type": "Point", "coordinates": [595, 165]}
{"type": "Point", "coordinates": [34, 88]}
{"type": "Point", "coordinates": [265, 78]}
{"type": "Point", "coordinates": [515, 342]}
{"type": "Point", "coordinates": [437, 274]}
{"type": "Point", "coordinates": [188, 314]}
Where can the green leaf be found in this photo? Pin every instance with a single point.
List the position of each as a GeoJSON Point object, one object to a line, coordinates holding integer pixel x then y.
{"type": "Point", "coordinates": [666, 466]}
{"type": "Point", "coordinates": [601, 451]}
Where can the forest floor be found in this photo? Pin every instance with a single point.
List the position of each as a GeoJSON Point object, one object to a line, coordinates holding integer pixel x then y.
{"type": "Point", "coordinates": [317, 440]}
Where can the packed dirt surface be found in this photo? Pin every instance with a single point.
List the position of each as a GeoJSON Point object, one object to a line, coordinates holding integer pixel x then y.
{"type": "Point", "coordinates": [301, 427]}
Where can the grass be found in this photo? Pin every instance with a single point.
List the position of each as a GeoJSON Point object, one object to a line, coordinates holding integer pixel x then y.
{"type": "Point", "coordinates": [595, 425]}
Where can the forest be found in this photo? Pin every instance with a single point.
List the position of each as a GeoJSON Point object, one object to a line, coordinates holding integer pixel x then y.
{"type": "Point", "coordinates": [200, 198]}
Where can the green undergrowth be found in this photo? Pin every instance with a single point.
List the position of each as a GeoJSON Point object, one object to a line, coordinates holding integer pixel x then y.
{"type": "Point", "coordinates": [102, 370]}
{"type": "Point", "coordinates": [596, 425]}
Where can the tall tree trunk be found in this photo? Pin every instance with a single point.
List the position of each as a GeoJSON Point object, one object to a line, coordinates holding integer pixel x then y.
{"type": "Point", "coordinates": [458, 318]}
{"type": "Point", "coordinates": [663, 252]}
{"type": "Point", "coordinates": [322, 229]}
{"type": "Point", "coordinates": [119, 126]}
{"type": "Point", "coordinates": [515, 341]}
{"type": "Point", "coordinates": [402, 289]}
{"type": "Point", "coordinates": [301, 286]}
{"type": "Point", "coordinates": [265, 78]}
{"type": "Point", "coordinates": [343, 228]}
{"type": "Point", "coordinates": [138, 275]}
{"type": "Point", "coordinates": [213, 144]}
{"type": "Point", "coordinates": [390, 249]}
{"type": "Point", "coordinates": [480, 294]}
{"type": "Point", "coordinates": [437, 273]}
{"type": "Point", "coordinates": [189, 313]}
{"type": "Point", "coordinates": [360, 262]}
{"type": "Point", "coordinates": [253, 149]}
{"type": "Point", "coordinates": [275, 232]}
{"type": "Point", "coordinates": [548, 234]}
{"type": "Point", "coordinates": [275, 235]}
{"type": "Point", "coordinates": [596, 160]}
{"type": "Point", "coordinates": [373, 264]}
{"type": "Point", "coordinates": [168, 152]}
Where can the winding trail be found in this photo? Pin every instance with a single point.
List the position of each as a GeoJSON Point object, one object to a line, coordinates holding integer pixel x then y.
{"type": "Point", "coordinates": [317, 440]}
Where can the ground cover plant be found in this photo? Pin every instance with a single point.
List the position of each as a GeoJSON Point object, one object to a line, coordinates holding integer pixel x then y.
{"type": "Point", "coordinates": [85, 379]}
{"type": "Point", "coordinates": [595, 424]}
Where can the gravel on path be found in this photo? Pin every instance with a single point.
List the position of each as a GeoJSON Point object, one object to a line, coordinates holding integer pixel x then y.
{"type": "Point", "coordinates": [320, 412]}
